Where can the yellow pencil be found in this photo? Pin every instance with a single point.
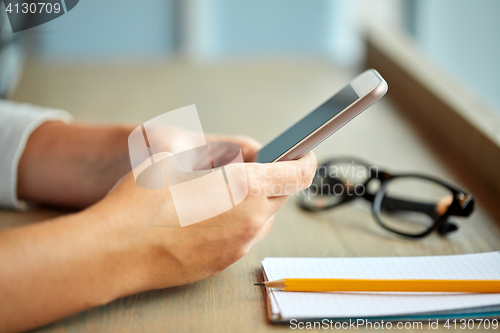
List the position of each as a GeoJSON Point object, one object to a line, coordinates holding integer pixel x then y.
{"type": "Point", "coordinates": [383, 285]}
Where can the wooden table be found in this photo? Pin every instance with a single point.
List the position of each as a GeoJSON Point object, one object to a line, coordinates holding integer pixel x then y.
{"type": "Point", "coordinates": [260, 100]}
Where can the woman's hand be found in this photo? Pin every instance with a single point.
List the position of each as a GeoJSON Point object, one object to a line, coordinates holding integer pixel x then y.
{"type": "Point", "coordinates": [175, 255]}
{"type": "Point", "coordinates": [75, 165]}
{"type": "Point", "coordinates": [131, 241]}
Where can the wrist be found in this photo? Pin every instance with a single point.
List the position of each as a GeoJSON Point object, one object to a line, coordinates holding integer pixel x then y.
{"type": "Point", "coordinates": [133, 215]}
{"type": "Point", "coordinates": [122, 251]}
{"type": "Point", "coordinates": [38, 156]}
{"type": "Point", "coordinates": [72, 165]}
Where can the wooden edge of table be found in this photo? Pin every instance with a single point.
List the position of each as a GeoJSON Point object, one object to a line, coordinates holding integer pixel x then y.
{"type": "Point", "coordinates": [458, 126]}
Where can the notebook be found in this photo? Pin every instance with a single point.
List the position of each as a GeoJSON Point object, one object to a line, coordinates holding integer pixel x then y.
{"type": "Point", "coordinates": [284, 306]}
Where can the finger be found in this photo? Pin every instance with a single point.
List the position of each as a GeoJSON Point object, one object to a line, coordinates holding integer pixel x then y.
{"type": "Point", "coordinates": [249, 147]}
{"type": "Point", "coordinates": [283, 178]}
{"type": "Point", "coordinates": [276, 203]}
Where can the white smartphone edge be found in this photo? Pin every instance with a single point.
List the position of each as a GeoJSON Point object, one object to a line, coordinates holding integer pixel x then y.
{"type": "Point", "coordinates": [370, 86]}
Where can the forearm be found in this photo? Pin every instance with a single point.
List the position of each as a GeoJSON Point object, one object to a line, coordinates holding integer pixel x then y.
{"type": "Point", "coordinates": [72, 165]}
{"type": "Point", "coordinates": [60, 267]}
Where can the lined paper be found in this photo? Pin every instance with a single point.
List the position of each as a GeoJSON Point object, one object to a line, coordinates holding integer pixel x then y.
{"type": "Point", "coordinates": [485, 266]}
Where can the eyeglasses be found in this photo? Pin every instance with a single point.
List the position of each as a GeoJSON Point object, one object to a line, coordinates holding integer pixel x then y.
{"type": "Point", "coordinates": [411, 205]}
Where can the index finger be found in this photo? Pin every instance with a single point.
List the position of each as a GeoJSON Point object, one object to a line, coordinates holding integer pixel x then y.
{"type": "Point", "coordinates": [282, 178]}
{"type": "Point", "coordinates": [249, 147]}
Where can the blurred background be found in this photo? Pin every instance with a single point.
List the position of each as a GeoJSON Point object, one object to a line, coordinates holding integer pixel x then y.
{"type": "Point", "coordinates": [461, 36]}
{"type": "Point", "coordinates": [254, 67]}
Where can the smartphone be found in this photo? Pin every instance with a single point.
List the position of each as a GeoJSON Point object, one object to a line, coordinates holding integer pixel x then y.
{"type": "Point", "coordinates": [329, 117]}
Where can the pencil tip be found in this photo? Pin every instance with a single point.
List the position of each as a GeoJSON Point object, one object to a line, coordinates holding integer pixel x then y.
{"type": "Point", "coordinates": [259, 284]}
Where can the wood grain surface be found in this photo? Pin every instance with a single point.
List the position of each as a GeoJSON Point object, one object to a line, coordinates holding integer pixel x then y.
{"type": "Point", "coordinates": [259, 99]}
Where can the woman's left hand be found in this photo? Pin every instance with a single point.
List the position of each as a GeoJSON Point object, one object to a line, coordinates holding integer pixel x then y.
{"type": "Point", "coordinates": [75, 165]}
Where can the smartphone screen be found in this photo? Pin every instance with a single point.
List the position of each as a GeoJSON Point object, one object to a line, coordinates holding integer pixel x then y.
{"type": "Point", "coordinates": [307, 125]}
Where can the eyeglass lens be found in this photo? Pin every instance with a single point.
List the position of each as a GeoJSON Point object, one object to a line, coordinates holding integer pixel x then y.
{"type": "Point", "coordinates": [411, 205]}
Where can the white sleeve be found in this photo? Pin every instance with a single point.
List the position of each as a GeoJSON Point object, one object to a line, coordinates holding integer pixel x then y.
{"type": "Point", "coordinates": [17, 122]}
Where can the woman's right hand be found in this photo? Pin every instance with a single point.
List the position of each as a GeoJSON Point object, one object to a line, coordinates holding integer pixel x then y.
{"type": "Point", "coordinates": [170, 255]}
{"type": "Point", "coordinates": [132, 241]}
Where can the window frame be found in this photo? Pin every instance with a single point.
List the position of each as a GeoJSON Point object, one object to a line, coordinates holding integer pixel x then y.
{"type": "Point", "coordinates": [462, 130]}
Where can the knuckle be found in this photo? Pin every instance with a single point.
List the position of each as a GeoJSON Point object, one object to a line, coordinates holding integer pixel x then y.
{"type": "Point", "coordinates": [251, 228]}
{"type": "Point", "coordinates": [227, 258]}
{"type": "Point", "coordinates": [237, 254]}
{"type": "Point", "coordinates": [215, 271]}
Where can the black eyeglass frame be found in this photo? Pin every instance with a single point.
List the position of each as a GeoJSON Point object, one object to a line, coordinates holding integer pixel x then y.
{"type": "Point", "coordinates": [461, 205]}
